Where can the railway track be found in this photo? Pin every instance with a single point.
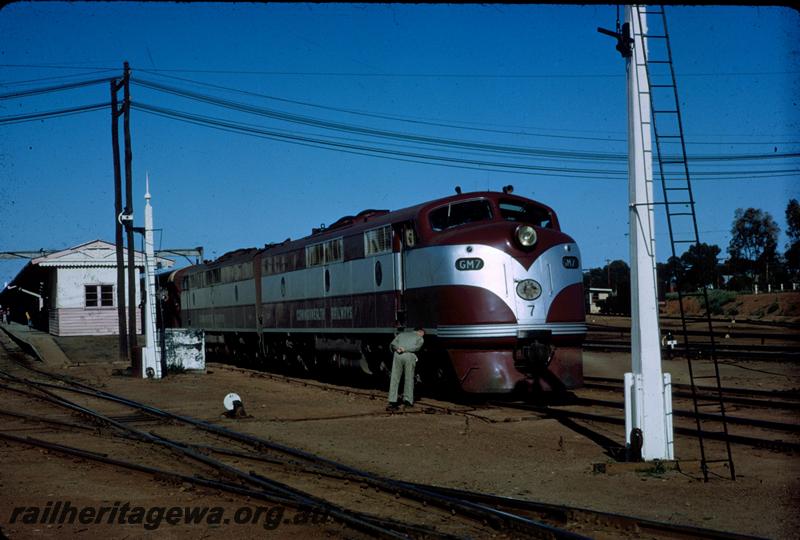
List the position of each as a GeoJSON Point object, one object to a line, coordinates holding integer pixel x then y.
{"type": "Point", "coordinates": [203, 461]}
{"type": "Point", "coordinates": [753, 397]}
{"type": "Point", "coordinates": [746, 339]}
{"type": "Point", "coordinates": [759, 432]}
{"type": "Point", "coordinates": [781, 353]}
{"type": "Point", "coordinates": [464, 517]}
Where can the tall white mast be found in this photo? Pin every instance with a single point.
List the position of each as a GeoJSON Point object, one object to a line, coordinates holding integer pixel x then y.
{"type": "Point", "coordinates": [648, 401]}
{"type": "Point", "coordinates": [151, 354]}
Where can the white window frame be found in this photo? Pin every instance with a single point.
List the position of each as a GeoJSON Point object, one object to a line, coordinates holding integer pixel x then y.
{"type": "Point", "coordinates": [373, 239]}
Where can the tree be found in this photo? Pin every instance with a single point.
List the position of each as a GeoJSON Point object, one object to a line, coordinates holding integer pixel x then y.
{"type": "Point", "coordinates": [754, 243]}
{"type": "Point", "coordinates": [615, 276]}
{"type": "Point", "coordinates": [619, 275]}
{"type": "Point", "coordinates": [700, 266]}
{"type": "Point", "coordinates": [792, 254]}
{"type": "Point", "coordinates": [668, 274]}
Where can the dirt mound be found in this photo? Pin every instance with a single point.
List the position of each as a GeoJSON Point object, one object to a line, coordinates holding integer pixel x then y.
{"type": "Point", "coordinates": [767, 306]}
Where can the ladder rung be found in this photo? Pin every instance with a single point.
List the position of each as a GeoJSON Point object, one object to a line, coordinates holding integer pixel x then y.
{"type": "Point", "coordinates": [684, 241]}
{"type": "Point", "coordinates": [658, 61]}
{"type": "Point", "coordinates": [704, 377]}
{"type": "Point", "coordinates": [662, 86]}
{"type": "Point", "coordinates": [677, 189]}
{"type": "Point", "coordinates": [672, 161]}
{"type": "Point", "coordinates": [669, 137]}
{"type": "Point", "coordinates": [654, 36]}
{"type": "Point", "coordinates": [681, 214]}
{"type": "Point", "coordinates": [665, 111]}
{"type": "Point", "coordinates": [717, 461]}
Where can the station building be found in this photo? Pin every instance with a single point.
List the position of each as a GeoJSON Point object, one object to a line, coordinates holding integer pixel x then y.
{"type": "Point", "coordinates": [73, 292]}
{"type": "Point", "coordinates": [595, 295]}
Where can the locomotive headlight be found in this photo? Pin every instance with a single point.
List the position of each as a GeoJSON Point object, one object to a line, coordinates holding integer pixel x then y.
{"type": "Point", "coordinates": [528, 289]}
{"type": "Point", "coordinates": [526, 235]}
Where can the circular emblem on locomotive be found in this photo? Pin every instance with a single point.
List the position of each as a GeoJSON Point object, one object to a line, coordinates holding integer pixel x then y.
{"type": "Point", "coordinates": [528, 289]}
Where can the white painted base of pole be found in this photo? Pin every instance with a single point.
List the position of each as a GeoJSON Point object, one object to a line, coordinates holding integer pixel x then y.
{"type": "Point", "coordinates": [634, 415]}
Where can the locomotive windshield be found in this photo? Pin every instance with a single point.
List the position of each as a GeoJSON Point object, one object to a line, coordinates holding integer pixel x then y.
{"type": "Point", "coordinates": [460, 213]}
{"type": "Point", "coordinates": [529, 213]}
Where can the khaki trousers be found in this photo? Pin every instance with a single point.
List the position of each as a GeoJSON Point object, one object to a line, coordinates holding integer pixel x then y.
{"type": "Point", "coordinates": [403, 365]}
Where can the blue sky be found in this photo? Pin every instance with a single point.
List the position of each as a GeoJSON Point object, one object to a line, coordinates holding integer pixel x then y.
{"type": "Point", "coordinates": [537, 77]}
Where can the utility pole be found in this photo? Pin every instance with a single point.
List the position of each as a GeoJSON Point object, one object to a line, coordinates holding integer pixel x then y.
{"type": "Point", "coordinates": [132, 281]}
{"type": "Point", "coordinates": [122, 326]}
{"type": "Point", "coordinates": [124, 217]}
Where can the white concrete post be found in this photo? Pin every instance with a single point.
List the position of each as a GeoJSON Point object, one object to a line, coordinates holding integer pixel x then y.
{"type": "Point", "coordinates": [151, 354]}
{"type": "Point", "coordinates": [648, 410]}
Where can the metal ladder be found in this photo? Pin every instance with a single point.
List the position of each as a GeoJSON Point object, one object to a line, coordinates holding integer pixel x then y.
{"type": "Point", "coordinates": [679, 203]}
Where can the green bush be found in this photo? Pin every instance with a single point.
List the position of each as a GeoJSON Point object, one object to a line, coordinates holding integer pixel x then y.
{"type": "Point", "coordinates": [716, 299]}
{"type": "Point", "coordinates": [175, 369]}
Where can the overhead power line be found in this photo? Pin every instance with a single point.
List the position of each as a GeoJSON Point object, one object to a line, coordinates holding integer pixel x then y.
{"type": "Point", "coordinates": [50, 89]}
{"type": "Point", "coordinates": [227, 125]}
{"type": "Point", "coordinates": [59, 78]}
{"type": "Point", "coordinates": [411, 137]}
{"type": "Point", "coordinates": [511, 130]}
{"type": "Point", "coordinates": [412, 74]}
{"type": "Point", "coordinates": [51, 114]}
{"type": "Point", "coordinates": [520, 131]}
{"type": "Point", "coordinates": [303, 140]}
{"type": "Point", "coordinates": [525, 131]}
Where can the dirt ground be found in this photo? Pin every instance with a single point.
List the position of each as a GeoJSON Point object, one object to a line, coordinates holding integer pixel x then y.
{"type": "Point", "coordinates": [778, 306]}
{"type": "Point", "coordinates": [497, 450]}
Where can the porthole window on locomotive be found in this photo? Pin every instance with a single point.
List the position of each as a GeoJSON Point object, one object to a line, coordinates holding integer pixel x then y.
{"type": "Point", "coordinates": [378, 274]}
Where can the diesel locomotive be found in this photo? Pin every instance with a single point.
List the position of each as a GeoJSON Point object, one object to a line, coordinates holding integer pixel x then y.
{"type": "Point", "coordinates": [490, 276]}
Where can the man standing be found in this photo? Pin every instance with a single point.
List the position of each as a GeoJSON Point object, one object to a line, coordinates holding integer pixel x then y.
{"type": "Point", "coordinates": [404, 345]}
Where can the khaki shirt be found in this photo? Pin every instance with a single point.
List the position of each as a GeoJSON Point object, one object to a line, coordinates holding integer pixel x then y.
{"type": "Point", "coordinates": [409, 341]}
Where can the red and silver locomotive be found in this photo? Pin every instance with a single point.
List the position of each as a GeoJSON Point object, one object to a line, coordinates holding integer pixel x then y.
{"type": "Point", "coordinates": [490, 276]}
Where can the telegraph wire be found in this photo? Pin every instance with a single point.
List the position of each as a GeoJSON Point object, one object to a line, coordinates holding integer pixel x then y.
{"type": "Point", "coordinates": [287, 137]}
{"type": "Point", "coordinates": [471, 146]}
{"type": "Point", "coordinates": [519, 131]}
{"type": "Point", "coordinates": [420, 121]}
{"type": "Point", "coordinates": [412, 75]}
{"type": "Point", "coordinates": [246, 129]}
{"type": "Point", "coordinates": [52, 114]}
{"type": "Point", "coordinates": [350, 128]}
{"type": "Point", "coordinates": [410, 137]}
{"type": "Point", "coordinates": [50, 89]}
{"type": "Point", "coordinates": [45, 79]}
